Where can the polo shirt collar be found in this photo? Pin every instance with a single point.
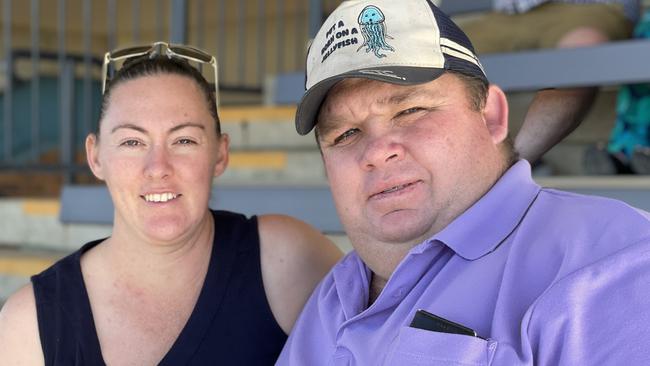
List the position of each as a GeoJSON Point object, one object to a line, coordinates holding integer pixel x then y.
{"type": "Point", "coordinates": [487, 223]}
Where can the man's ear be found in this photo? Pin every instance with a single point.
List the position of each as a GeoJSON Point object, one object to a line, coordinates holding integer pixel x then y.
{"type": "Point", "coordinates": [92, 155]}
{"type": "Point", "coordinates": [222, 155]}
{"type": "Point", "coordinates": [495, 114]}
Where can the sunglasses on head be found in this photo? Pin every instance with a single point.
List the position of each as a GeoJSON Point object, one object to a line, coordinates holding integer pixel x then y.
{"type": "Point", "coordinates": [160, 48]}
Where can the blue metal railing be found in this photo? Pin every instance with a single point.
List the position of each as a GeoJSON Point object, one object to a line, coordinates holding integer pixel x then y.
{"type": "Point", "coordinates": [50, 110]}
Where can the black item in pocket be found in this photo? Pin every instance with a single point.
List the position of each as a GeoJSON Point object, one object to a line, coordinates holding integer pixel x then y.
{"type": "Point", "coordinates": [427, 321]}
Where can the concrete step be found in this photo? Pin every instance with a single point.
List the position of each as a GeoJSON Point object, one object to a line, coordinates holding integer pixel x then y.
{"type": "Point", "coordinates": [279, 168]}
{"type": "Point", "coordinates": [17, 265]}
{"type": "Point", "coordinates": [262, 127]}
{"type": "Point", "coordinates": [34, 224]}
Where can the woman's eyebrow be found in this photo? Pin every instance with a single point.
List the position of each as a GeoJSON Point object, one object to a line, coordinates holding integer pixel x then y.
{"type": "Point", "coordinates": [186, 125]}
{"type": "Point", "coordinates": [129, 126]}
{"type": "Point", "coordinates": [181, 126]}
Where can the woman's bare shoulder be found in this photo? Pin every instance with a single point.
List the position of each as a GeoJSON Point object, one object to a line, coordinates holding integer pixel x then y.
{"type": "Point", "coordinates": [19, 337]}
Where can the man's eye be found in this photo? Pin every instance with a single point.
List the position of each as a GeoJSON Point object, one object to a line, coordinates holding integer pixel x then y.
{"type": "Point", "coordinates": [410, 111]}
{"type": "Point", "coordinates": [186, 141]}
{"type": "Point", "coordinates": [346, 135]}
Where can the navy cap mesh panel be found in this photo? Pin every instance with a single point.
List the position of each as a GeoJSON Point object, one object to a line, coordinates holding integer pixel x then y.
{"type": "Point", "coordinates": [449, 30]}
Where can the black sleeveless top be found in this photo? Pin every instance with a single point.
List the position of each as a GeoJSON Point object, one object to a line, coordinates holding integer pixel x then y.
{"type": "Point", "coordinates": [231, 323]}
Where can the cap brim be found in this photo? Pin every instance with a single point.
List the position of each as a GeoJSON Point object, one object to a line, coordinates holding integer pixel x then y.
{"type": "Point", "coordinates": [311, 101]}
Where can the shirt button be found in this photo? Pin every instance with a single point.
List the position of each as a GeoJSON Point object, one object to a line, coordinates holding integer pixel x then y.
{"type": "Point", "coordinates": [399, 293]}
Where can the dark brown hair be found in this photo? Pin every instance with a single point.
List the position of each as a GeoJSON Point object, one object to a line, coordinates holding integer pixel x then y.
{"type": "Point", "coordinates": [150, 66]}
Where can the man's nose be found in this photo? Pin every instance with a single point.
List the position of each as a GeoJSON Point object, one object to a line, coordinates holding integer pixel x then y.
{"type": "Point", "coordinates": [382, 150]}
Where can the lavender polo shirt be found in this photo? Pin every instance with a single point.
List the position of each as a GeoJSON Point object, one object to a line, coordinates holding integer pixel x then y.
{"type": "Point", "coordinates": [547, 277]}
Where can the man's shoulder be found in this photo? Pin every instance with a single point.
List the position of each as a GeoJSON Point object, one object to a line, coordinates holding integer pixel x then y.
{"type": "Point", "coordinates": [572, 232]}
{"type": "Point", "coordinates": [579, 210]}
{"type": "Point", "coordinates": [591, 237]}
{"type": "Point", "coordinates": [595, 253]}
{"type": "Point", "coordinates": [584, 199]}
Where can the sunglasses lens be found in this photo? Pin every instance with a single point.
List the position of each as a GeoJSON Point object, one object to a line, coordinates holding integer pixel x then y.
{"type": "Point", "coordinates": [190, 52]}
{"type": "Point", "coordinates": [130, 51]}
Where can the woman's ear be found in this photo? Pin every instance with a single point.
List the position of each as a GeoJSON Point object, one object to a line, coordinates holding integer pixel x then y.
{"type": "Point", "coordinates": [92, 155]}
{"type": "Point", "coordinates": [222, 154]}
{"type": "Point", "coordinates": [495, 114]}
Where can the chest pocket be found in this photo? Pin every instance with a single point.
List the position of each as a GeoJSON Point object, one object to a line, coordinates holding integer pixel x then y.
{"type": "Point", "coordinates": [419, 347]}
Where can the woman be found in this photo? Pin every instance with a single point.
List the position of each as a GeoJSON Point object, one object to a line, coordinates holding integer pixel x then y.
{"type": "Point", "coordinates": [175, 283]}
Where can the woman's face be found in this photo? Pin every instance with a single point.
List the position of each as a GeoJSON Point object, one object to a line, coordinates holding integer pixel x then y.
{"type": "Point", "coordinates": [157, 151]}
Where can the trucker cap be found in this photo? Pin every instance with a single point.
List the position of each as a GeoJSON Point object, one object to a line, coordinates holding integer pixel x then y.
{"type": "Point", "coordinates": [403, 42]}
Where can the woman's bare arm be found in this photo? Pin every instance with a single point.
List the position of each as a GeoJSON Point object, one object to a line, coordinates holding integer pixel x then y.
{"type": "Point", "coordinates": [295, 257]}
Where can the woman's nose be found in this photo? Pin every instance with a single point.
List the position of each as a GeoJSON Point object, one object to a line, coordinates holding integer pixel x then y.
{"type": "Point", "coordinates": [158, 165]}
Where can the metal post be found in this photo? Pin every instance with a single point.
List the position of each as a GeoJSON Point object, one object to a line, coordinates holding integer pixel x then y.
{"type": "Point", "coordinates": [280, 37]}
{"type": "Point", "coordinates": [241, 43]}
{"type": "Point", "coordinates": [67, 130]}
{"type": "Point", "coordinates": [300, 26]}
{"type": "Point", "coordinates": [261, 41]}
{"type": "Point", "coordinates": [200, 26]}
{"type": "Point", "coordinates": [8, 98]}
{"type": "Point", "coordinates": [221, 39]}
{"type": "Point", "coordinates": [315, 16]}
{"type": "Point", "coordinates": [36, 89]}
{"type": "Point", "coordinates": [159, 21]}
{"type": "Point", "coordinates": [178, 21]}
{"type": "Point", "coordinates": [87, 100]}
{"type": "Point", "coordinates": [200, 18]}
{"type": "Point", "coordinates": [66, 73]}
{"type": "Point", "coordinates": [111, 6]}
{"type": "Point", "coordinates": [136, 21]}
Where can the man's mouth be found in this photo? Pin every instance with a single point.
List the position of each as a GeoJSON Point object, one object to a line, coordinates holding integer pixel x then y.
{"type": "Point", "coordinates": [394, 189]}
{"type": "Point", "coordinates": [160, 197]}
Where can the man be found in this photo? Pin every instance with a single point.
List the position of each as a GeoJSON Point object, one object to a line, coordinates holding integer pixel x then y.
{"type": "Point", "coordinates": [460, 258]}
{"type": "Point", "coordinates": [517, 25]}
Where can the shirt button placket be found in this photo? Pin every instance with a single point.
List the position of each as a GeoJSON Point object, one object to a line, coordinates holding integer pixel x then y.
{"type": "Point", "coordinates": [341, 357]}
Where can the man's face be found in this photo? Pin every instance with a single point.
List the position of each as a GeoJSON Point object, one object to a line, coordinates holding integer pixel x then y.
{"type": "Point", "coordinates": [404, 161]}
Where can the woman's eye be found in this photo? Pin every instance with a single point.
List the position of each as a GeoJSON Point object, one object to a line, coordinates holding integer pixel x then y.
{"type": "Point", "coordinates": [346, 135]}
{"type": "Point", "coordinates": [131, 143]}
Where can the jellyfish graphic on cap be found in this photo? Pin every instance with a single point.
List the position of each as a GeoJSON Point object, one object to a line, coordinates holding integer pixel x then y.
{"type": "Point", "coordinates": [373, 28]}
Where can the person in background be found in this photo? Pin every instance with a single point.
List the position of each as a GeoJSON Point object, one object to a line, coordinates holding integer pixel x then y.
{"type": "Point", "coordinates": [628, 148]}
{"type": "Point", "coordinates": [459, 257]}
{"type": "Point", "coordinates": [176, 283]}
{"type": "Point", "coordinates": [517, 25]}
